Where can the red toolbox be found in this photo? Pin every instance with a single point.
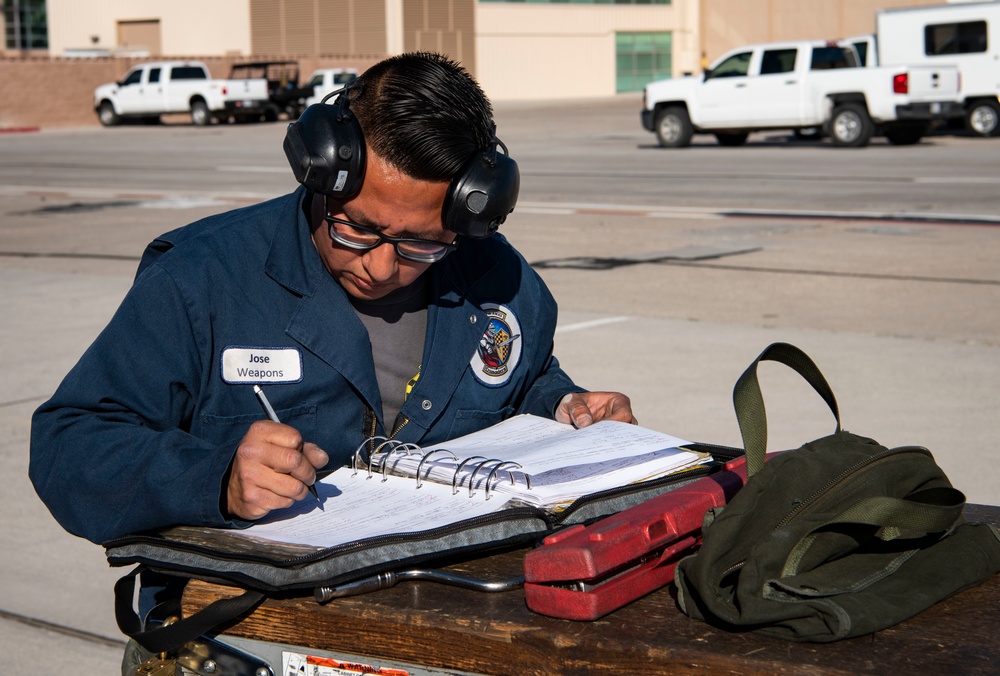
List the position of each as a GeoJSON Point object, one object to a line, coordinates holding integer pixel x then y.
{"type": "Point", "coordinates": [586, 572]}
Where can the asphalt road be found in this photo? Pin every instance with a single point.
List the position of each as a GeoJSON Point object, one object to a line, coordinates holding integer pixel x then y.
{"type": "Point", "coordinates": [673, 269]}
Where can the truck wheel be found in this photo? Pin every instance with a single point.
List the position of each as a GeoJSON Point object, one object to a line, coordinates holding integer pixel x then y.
{"type": "Point", "coordinates": [983, 118]}
{"type": "Point", "coordinates": [673, 128]}
{"type": "Point", "coordinates": [850, 125]}
{"type": "Point", "coordinates": [200, 114]}
{"type": "Point", "coordinates": [732, 140]}
{"type": "Point", "coordinates": [905, 134]}
{"type": "Point", "coordinates": [107, 115]}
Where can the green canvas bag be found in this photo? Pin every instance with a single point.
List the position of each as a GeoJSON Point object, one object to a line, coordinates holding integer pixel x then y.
{"type": "Point", "coordinates": [839, 538]}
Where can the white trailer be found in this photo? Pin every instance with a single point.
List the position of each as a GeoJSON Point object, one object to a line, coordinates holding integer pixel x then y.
{"type": "Point", "coordinates": [963, 34]}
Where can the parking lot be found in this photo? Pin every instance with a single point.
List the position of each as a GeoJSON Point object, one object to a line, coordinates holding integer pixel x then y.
{"type": "Point", "coordinates": [673, 270]}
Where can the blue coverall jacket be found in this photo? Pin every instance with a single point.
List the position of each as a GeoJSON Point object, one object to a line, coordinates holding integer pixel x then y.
{"type": "Point", "coordinates": [142, 431]}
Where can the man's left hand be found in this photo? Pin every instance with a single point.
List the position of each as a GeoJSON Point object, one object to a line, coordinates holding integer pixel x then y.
{"type": "Point", "coordinates": [585, 408]}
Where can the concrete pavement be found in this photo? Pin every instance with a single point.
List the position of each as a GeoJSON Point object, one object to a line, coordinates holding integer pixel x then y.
{"type": "Point", "coordinates": [900, 317]}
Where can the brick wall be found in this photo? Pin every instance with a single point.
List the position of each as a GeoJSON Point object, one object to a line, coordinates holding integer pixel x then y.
{"type": "Point", "coordinates": [59, 92]}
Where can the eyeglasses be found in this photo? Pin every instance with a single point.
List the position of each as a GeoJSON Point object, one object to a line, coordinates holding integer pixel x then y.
{"type": "Point", "coordinates": [362, 238]}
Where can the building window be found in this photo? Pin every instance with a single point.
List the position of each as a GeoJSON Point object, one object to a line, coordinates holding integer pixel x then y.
{"type": "Point", "coordinates": [641, 58]}
{"type": "Point", "coordinates": [955, 38]}
{"type": "Point", "coordinates": [25, 24]}
{"type": "Point", "coordinates": [589, 2]}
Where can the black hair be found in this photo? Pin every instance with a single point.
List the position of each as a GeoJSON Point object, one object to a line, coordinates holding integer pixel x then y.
{"type": "Point", "coordinates": [422, 113]}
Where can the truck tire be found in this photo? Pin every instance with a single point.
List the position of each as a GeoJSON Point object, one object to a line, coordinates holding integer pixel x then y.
{"type": "Point", "coordinates": [732, 139]}
{"type": "Point", "coordinates": [905, 133]}
{"type": "Point", "coordinates": [200, 114]}
{"type": "Point", "coordinates": [107, 115]}
{"type": "Point", "coordinates": [673, 128]}
{"type": "Point", "coordinates": [850, 125]}
{"type": "Point", "coordinates": [983, 118]}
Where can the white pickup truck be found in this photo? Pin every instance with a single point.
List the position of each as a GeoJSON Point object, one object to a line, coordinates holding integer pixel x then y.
{"type": "Point", "coordinates": [800, 86]}
{"type": "Point", "coordinates": [326, 80]}
{"type": "Point", "coordinates": [155, 88]}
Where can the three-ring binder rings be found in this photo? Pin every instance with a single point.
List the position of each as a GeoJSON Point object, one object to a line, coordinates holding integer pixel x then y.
{"type": "Point", "coordinates": [399, 504]}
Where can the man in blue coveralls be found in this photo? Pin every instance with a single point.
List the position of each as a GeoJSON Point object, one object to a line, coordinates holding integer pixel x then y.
{"type": "Point", "coordinates": [374, 300]}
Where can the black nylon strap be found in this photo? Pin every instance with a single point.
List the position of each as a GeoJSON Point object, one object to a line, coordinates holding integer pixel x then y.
{"type": "Point", "coordinates": [749, 402]}
{"type": "Point", "coordinates": [173, 636]}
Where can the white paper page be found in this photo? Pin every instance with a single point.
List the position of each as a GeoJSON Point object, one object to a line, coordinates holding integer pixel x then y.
{"type": "Point", "coordinates": [560, 487]}
{"type": "Point", "coordinates": [541, 445]}
{"type": "Point", "coordinates": [356, 507]}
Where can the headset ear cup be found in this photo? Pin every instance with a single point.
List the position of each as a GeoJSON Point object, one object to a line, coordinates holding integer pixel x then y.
{"type": "Point", "coordinates": [326, 150]}
{"type": "Point", "coordinates": [482, 195]}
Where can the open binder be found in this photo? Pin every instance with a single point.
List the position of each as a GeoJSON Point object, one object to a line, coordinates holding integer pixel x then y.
{"type": "Point", "coordinates": [399, 505]}
{"type": "Point", "coordinates": [525, 462]}
{"type": "Point", "coordinates": [395, 507]}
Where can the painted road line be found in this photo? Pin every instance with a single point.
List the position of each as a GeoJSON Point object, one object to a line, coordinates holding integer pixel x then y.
{"type": "Point", "coordinates": [170, 197]}
{"type": "Point", "coordinates": [593, 323]}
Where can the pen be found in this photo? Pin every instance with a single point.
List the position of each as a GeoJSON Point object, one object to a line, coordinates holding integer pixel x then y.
{"type": "Point", "coordinates": [273, 417]}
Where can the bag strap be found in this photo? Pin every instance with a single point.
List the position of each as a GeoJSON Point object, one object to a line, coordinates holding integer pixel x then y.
{"type": "Point", "coordinates": [172, 636]}
{"type": "Point", "coordinates": [933, 510]}
{"type": "Point", "coordinates": [749, 403]}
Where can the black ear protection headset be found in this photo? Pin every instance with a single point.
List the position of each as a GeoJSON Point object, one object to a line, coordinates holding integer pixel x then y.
{"type": "Point", "coordinates": [326, 150]}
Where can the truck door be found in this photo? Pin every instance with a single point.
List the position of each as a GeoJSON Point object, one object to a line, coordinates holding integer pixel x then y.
{"type": "Point", "coordinates": [153, 99]}
{"type": "Point", "coordinates": [774, 95]}
{"type": "Point", "coordinates": [722, 99]}
{"type": "Point", "coordinates": [132, 93]}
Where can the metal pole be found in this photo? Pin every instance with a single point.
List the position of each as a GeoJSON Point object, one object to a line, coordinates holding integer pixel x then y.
{"type": "Point", "coordinates": [17, 24]}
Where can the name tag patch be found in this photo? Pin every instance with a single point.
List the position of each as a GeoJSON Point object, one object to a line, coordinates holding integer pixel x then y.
{"type": "Point", "coordinates": [261, 365]}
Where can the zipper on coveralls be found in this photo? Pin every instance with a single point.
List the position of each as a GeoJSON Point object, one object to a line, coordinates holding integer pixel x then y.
{"type": "Point", "coordinates": [372, 425]}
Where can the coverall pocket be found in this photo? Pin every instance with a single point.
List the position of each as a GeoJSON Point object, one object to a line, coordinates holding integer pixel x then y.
{"type": "Point", "coordinates": [471, 420]}
{"type": "Point", "coordinates": [302, 418]}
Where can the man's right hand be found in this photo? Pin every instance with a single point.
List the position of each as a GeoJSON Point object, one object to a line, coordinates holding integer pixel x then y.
{"type": "Point", "coordinates": [272, 469]}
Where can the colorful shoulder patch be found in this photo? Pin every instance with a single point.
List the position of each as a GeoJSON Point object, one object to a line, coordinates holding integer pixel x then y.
{"type": "Point", "coordinates": [499, 350]}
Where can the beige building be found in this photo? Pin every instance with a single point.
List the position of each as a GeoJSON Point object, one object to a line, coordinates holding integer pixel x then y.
{"type": "Point", "coordinates": [154, 27]}
{"type": "Point", "coordinates": [527, 49]}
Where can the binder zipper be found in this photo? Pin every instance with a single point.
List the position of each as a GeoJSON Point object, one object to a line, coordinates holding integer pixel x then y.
{"type": "Point", "coordinates": [512, 514]}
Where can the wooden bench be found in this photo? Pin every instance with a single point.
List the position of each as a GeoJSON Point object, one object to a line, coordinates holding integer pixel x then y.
{"type": "Point", "coordinates": [447, 628]}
